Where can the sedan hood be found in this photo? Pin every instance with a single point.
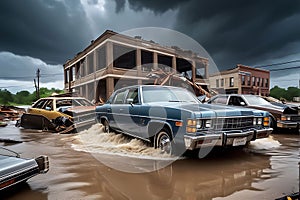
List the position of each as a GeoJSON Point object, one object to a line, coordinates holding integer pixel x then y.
{"type": "Point", "coordinates": [278, 108]}
{"type": "Point", "coordinates": [218, 110]}
{"type": "Point", "coordinates": [209, 110]}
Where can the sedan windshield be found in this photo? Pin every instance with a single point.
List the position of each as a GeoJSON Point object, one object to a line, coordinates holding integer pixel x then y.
{"type": "Point", "coordinates": [256, 100]}
{"type": "Point", "coordinates": [167, 94]}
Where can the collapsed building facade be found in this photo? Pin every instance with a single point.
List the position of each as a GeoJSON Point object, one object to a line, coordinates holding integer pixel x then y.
{"type": "Point", "coordinates": [114, 60]}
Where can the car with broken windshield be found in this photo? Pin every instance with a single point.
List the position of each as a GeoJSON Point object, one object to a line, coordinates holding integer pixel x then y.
{"type": "Point", "coordinates": [282, 115]}
{"type": "Point", "coordinates": [59, 113]}
{"type": "Point", "coordinates": [174, 120]}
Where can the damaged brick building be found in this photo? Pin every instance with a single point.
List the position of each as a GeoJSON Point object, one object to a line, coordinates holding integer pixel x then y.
{"type": "Point", "coordinates": [95, 72]}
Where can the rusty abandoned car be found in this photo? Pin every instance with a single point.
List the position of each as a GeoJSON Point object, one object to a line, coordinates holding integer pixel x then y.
{"type": "Point", "coordinates": [173, 120]}
{"type": "Point", "coordinates": [59, 113]}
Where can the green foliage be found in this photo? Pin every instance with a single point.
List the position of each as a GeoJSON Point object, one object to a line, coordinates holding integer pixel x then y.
{"type": "Point", "coordinates": [288, 94]}
{"type": "Point", "coordinates": [5, 96]}
{"type": "Point", "coordinates": [25, 97]}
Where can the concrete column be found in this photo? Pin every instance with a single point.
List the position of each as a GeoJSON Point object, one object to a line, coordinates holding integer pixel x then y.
{"type": "Point", "coordinates": [86, 92]}
{"type": "Point", "coordinates": [193, 70]}
{"type": "Point", "coordinates": [139, 64]}
{"type": "Point", "coordinates": [155, 60]}
{"type": "Point", "coordinates": [109, 57]}
{"type": "Point", "coordinates": [206, 70]}
{"type": "Point", "coordinates": [70, 78]}
{"type": "Point", "coordinates": [109, 86]}
{"type": "Point", "coordinates": [95, 60]}
{"type": "Point", "coordinates": [174, 65]}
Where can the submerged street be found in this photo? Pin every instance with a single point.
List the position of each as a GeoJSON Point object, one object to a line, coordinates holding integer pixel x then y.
{"type": "Point", "coordinates": [95, 165]}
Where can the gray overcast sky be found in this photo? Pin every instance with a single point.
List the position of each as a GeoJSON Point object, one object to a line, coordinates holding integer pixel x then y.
{"type": "Point", "coordinates": [45, 33]}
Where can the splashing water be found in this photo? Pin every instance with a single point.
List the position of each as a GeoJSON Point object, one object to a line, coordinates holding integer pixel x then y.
{"type": "Point", "coordinates": [264, 144]}
{"type": "Point", "coordinates": [95, 140]}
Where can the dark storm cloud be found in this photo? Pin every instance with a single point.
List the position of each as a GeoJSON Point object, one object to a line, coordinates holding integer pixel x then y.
{"type": "Point", "coordinates": [235, 31]}
{"type": "Point", "coordinates": [157, 6]}
{"type": "Point", "coordinates": [120, 4]}
{"type": "Point", "coordinates": [50, 30]}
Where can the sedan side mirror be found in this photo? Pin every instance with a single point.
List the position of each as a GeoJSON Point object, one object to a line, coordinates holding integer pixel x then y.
{"type": "Point", "coordinates": [129, 101]}
{"type": "Point", "coordinates": [242, 103]}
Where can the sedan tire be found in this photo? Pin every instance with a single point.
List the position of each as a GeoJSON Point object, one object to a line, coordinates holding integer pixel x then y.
{"type": "Point", "coordinates": [163, 142]}
{"type": "Point", "coordinates": [106, 128]}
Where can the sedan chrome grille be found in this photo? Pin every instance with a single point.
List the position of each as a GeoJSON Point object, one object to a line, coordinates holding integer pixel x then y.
{"type": "Point", "coordinates": [295, 118]}
{"type": "Point", "coordinates": [232, 123]}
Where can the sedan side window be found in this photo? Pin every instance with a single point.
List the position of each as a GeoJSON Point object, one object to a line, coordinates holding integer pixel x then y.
{"type": "Point", "coordinates": [119, 98]}
{"type": "Point", "coordinates": [220, 100]}
{"type": "Point", "coordinates": [48, 105]}
{"type": "Point", "coordinates": [39, 104]}
{"type": "Point", "coordinates": [236, 101]}
{"type": "Point", "coordinates": [133, 96]}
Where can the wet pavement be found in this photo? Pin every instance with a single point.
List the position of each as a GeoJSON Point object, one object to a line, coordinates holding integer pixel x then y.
{"type": "Point", "coordinates": [94, 165]}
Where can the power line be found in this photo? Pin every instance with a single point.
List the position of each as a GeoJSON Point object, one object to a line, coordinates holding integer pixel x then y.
{"type": "Point", "coordinates": [295, 67]}
{"type": "Point", "coordinates": [274, 64]}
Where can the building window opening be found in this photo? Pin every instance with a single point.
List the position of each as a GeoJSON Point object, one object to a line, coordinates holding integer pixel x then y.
{"type": "Point", "coordinates": [101, 57]}
{"type": "Point", "coordinates": [90, 63]}
{"type": "Point", "coordinates": [231, 82]}
{"type": "Point", "coordinates": [217, 83]}
{"type": "Point", "coordinates": [249, 80]}
{"type": "Point", "coordinates": [184, 67]}
{"type": "Point", "coordinates": [82, 67]}
{"type": "Point", "coordinates": [267, 82]}
{"type": "Point", "coordinates": [66, 76]}
{"type": "Point", "coordinates": [222, 82]}
{"type": "Point", "coordinates": [91, 91]}
{"type": "Point", "coordinates": [147, 60]}
{"type": "Point", "coordinates": [164, 62]}
{"type": "Point", "coordinates": [253, 80]}
{"type": "Point", "coordinates": [100, 96]}
{"type": "Point", "coordinates": [243, 80]}
{"type": "Point", "coordinates": [124, 57]}
{"type": "Point", "coordinates": [200, 70]}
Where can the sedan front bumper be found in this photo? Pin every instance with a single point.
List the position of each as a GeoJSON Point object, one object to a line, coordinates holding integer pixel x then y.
{"type": "Point", "coordinates": [288, 124]}
{"type": "Point", "coordinates": [226, 138]}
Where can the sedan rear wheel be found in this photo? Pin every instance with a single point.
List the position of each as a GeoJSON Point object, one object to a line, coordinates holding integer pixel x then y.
{"type": "Point", "coordinates": [106, 126]}
{"type": "Point", "coordinates": [163, 142]}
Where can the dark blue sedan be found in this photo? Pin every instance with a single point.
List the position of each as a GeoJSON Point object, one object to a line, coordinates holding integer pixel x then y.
{"type": "Point", "coordinates": [174, 120]}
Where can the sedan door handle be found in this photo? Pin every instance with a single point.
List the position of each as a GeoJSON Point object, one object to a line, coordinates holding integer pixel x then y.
{"type": "Point", "coordinates": [108, 109]}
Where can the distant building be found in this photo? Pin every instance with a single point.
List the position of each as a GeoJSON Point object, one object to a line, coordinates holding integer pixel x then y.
{"type": "Point", "coordinates": [241, 80]}
{"type": "Point", "coordinates": [94, 72]}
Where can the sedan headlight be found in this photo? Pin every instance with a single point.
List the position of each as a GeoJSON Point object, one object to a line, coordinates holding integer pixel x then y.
{"type": "Point", "coordinates": [191, 126]}
{"type": "Point", "coordinates": [259, 121]}
{"type": "Point", "coordinates": [285, 118]}
{"type": "Point", "coordinates": [254, 121]}
{"type": "Point", "coordinates": [208, 123]}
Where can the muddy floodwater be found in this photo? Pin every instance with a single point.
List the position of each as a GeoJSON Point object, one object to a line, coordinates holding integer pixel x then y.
{"type": "Point", "coordinates": [95, 165]}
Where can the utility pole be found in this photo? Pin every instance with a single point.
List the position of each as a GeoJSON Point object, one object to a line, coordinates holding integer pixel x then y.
{"type": "Point", "coordinates": [35, 88]}
{"type": "Point", "coordinates": [38, 83]}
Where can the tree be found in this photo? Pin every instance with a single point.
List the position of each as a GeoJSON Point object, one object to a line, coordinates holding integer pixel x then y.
{"type": "Point", "coordinates": [5, 97]}
{"type": "Point", "coordinates": [288, 94]}
{"type": "Point", "coordinates": [24, 97]}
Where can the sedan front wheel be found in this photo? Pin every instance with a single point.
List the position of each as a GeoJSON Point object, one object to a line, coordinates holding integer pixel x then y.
{"type": "Point", "coordinates": [163, 142]}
